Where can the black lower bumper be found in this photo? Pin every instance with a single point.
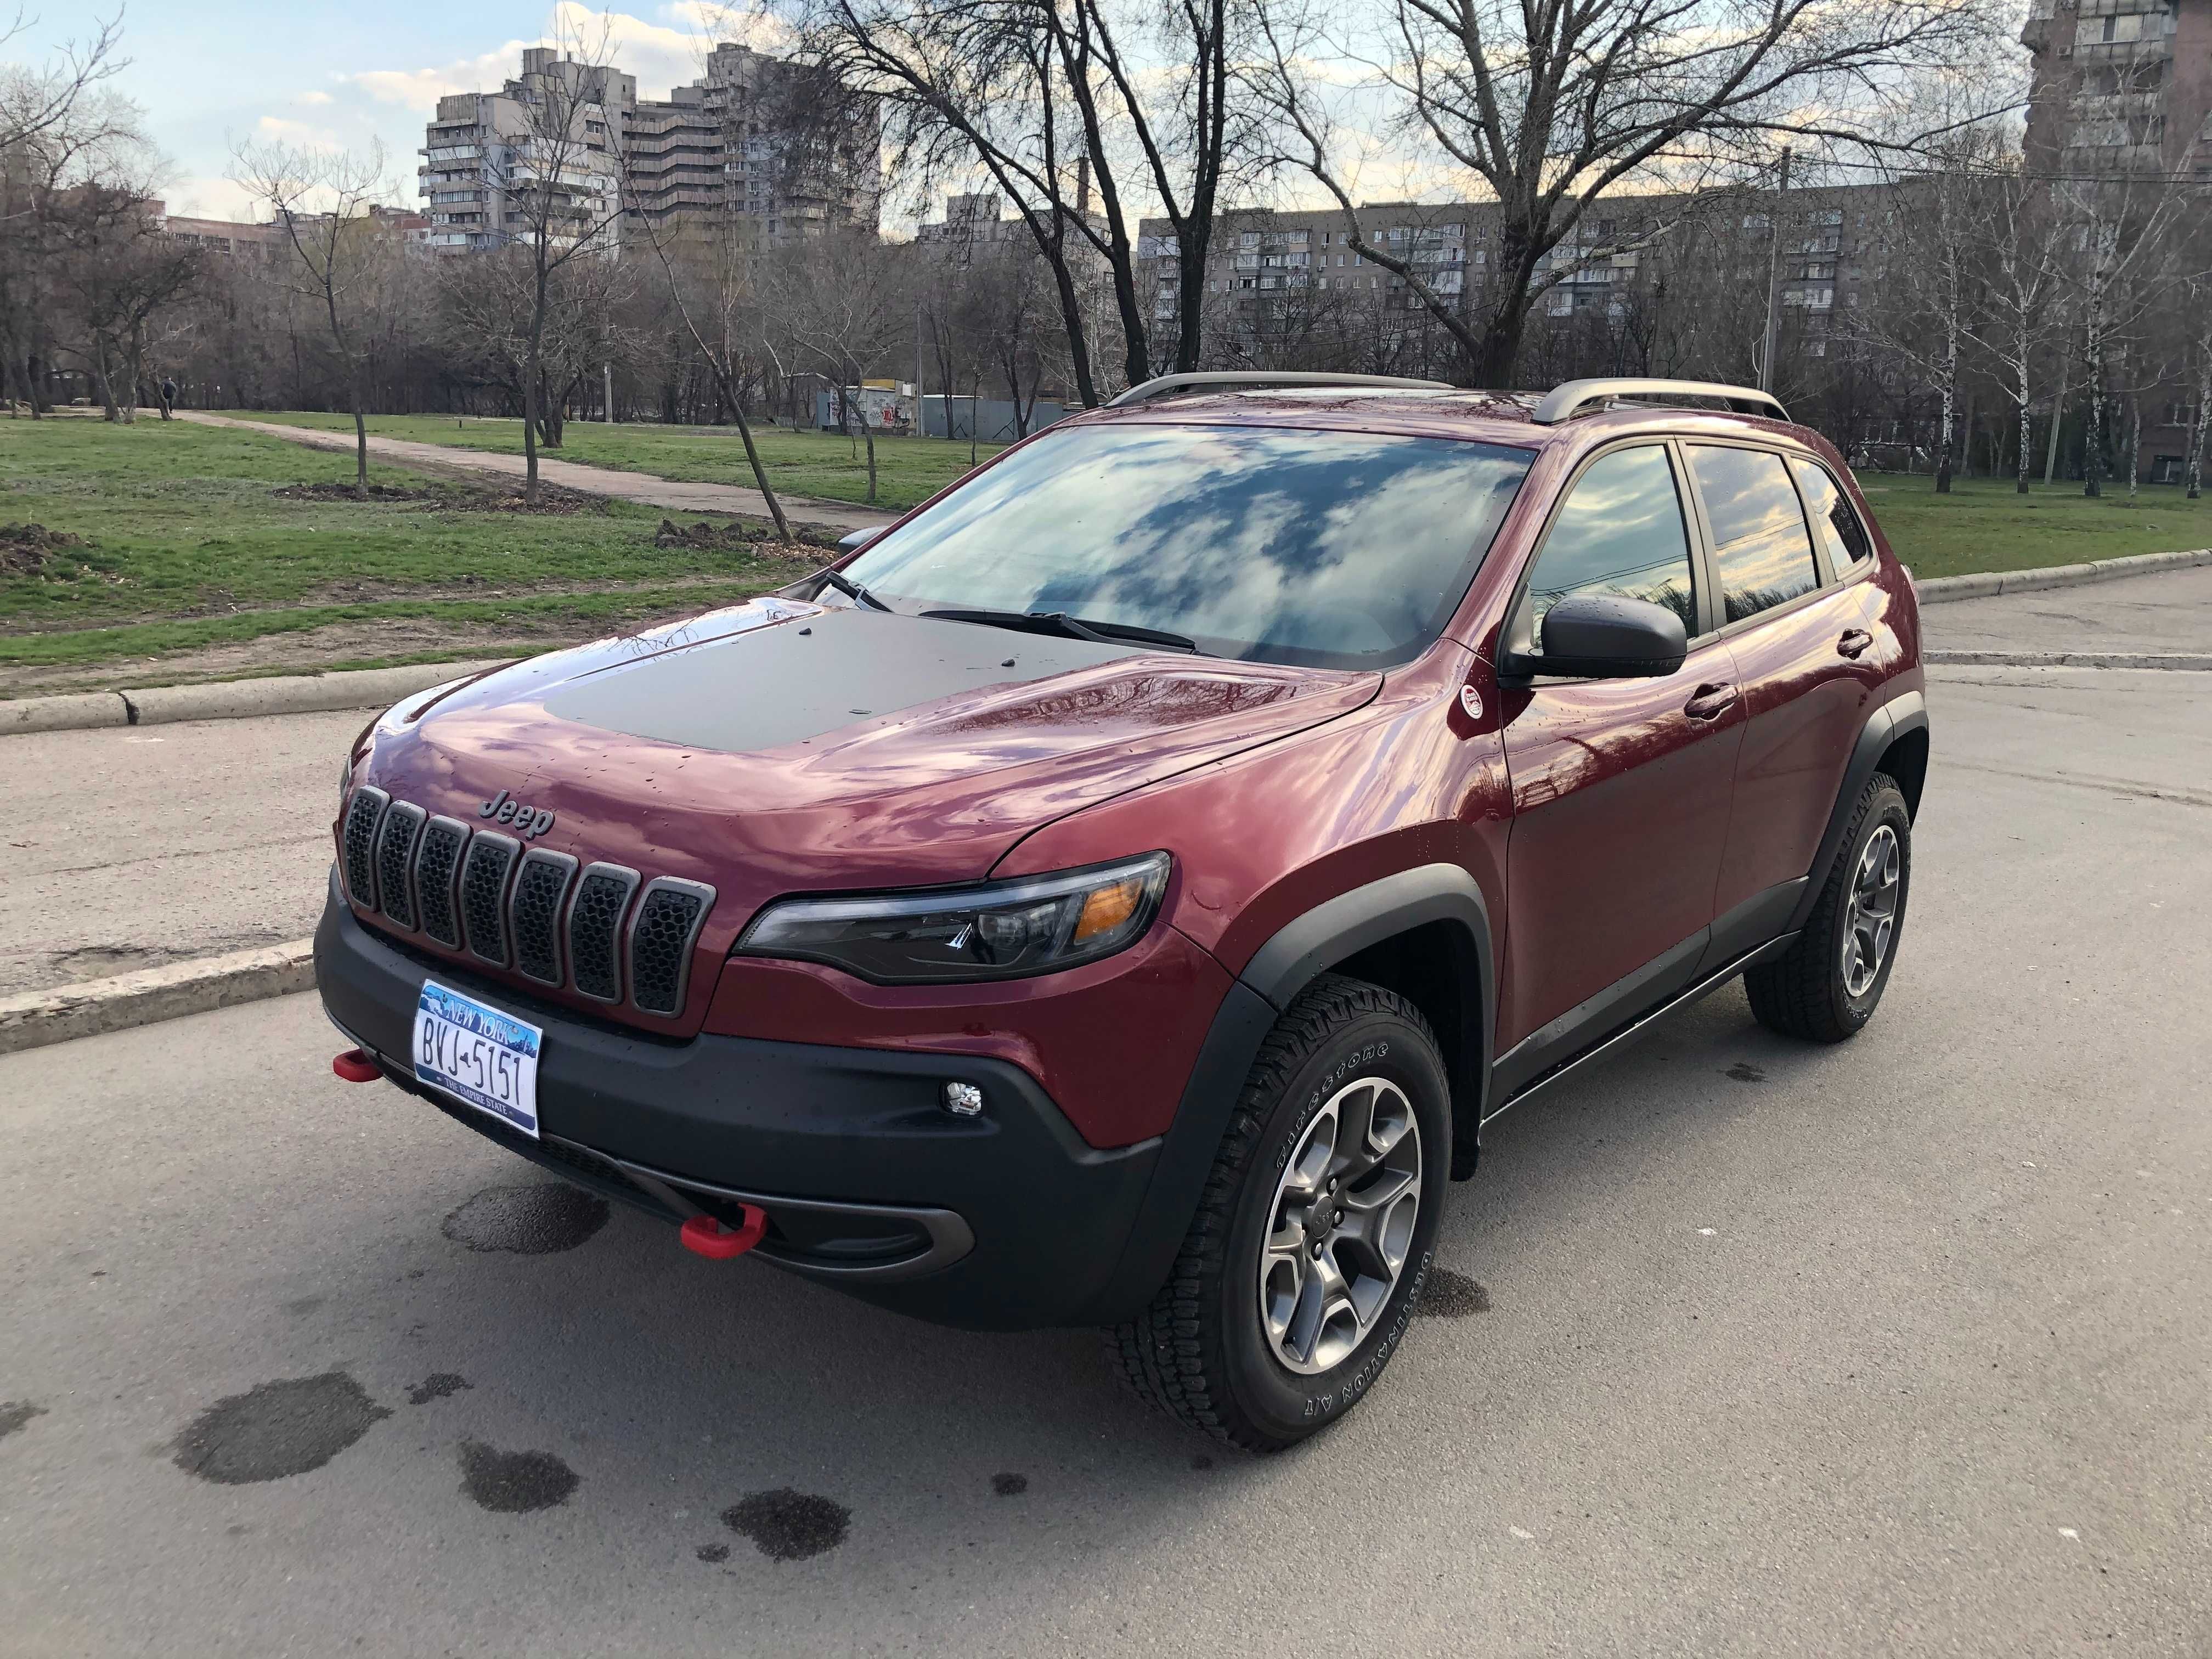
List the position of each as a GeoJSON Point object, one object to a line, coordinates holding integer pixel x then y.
{"type": "Point", "coordinates": [1004, 1221]}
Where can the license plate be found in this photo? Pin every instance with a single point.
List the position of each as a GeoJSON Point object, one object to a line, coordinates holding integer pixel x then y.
{"type": "Point", "coordinates": [477, 1055]}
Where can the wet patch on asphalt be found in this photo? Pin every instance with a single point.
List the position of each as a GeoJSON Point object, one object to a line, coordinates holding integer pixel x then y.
{"type": "Point", "coordinates": [277, 1429]}
{"type": "Point", "coordinates": [535, 1220]}
{"type": "Point", "coordinates": [1010, 1485]}
{"type": "Point", "coordinates": [513, 1483]}
{"type": "Point", "coordinates": [1448, 1295]}
{"type": "Point", "coordinates": [304, 1306]}
{"type": "Point", "coordinates": [1201, 1461]}
{"type": "Point", "coordinates": [437, 1386]}
{"type": "Point", "coordinates": [13, 1413]}
{"type": "Point", "coordinates": [1744, 1071]}
{"type": "Point", "coordinates": [712, 1553]}
{"type": "Point", "coordinates": [787, 1525]}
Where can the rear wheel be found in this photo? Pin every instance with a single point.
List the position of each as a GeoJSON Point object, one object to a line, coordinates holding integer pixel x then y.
{"type": "Point", "coordinates": [1314, 1232]}
{"type": "Point", "coordinates": [1826, 986]}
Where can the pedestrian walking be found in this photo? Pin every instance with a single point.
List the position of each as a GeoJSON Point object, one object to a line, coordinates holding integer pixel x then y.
{"type": "Point", "coordinates": [169, 395]}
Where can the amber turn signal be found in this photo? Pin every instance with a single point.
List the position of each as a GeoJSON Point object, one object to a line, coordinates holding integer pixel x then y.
{"type": "Point", "coordinates": [1105, 908]}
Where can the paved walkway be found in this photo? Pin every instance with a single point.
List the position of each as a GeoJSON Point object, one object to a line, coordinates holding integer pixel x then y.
{"type": "Point", "coordinates": [674, 495]}
{"type": "Point", "coordinates": [2168, 612]}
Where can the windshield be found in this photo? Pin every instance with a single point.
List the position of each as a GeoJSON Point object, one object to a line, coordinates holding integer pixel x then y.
{"type": "Point", "coordinates": [1326, 549]}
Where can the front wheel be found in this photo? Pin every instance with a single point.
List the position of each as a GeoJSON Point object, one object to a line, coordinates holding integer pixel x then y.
{"type": "Point", "coordinates": [1826, 985]}
{"type": "Point", "coordinates": [1316, 1229]}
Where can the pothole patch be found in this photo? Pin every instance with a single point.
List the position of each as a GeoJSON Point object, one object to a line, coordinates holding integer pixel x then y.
{"type": "Point", "coordinates": [276, 1429]}
{"type": "Point", "coordinates": [534, 1220]}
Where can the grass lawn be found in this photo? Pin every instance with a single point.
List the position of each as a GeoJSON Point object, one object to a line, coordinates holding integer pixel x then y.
{"type": "Point", "coordinates": [185, 546]}
{"type": "Point", "coordinates": [1983, 525]}
{"type": "Point", "coordinates": [908, 470]}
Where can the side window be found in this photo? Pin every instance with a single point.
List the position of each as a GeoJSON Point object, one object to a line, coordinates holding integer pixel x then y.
{"type": "Point", "coordinates": [1765, 557]}
{"type": "Point", "coordinates": [1833, 522]}
{"type": "Point", "coordinates": [1620, 531]}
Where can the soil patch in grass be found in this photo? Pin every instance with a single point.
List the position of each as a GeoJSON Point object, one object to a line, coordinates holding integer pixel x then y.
{"type": "Point", "coordinates": [346, 492]}
{"type": "Point", "coordinates": [451, 498]}
{"type": "Point", "coordinates": [24, 547]}
{"type": "Point", "coordinates": [737, 535]}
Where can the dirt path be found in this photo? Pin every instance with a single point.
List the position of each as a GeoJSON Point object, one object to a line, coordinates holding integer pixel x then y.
{"type": "Point", "coordinates": [672, 495]}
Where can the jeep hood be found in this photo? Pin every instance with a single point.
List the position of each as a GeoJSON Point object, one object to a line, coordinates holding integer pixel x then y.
{"type": "Point", "coordinates": [782, 746]}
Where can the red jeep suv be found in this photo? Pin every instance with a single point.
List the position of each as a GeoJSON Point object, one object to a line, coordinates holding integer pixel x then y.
{"type": "Point", "coordinates": [1119, 892]}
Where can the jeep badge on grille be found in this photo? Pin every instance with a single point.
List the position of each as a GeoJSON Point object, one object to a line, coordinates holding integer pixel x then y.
{"type": "Point", "coordinates": [530, 822]}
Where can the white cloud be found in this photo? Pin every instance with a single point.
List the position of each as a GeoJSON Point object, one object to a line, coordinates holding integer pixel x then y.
{"type": "Point", "coordinates": [316, 98]}
{"type": "Point", "coordinates": [284, 130]}
{"type": "Point", "coordinates": [661, 54]}
{"type": "Point", "coordinates": [202, 197]}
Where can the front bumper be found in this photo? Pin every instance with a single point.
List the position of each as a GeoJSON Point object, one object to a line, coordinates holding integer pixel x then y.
{"type": "Point", "coordinates": [1008, 1220]}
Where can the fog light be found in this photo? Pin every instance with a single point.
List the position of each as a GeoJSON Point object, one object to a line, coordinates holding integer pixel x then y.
{"type": "Point", "coordinates": [962, 1099]}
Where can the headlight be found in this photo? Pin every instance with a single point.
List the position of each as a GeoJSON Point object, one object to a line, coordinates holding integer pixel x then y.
{"type": "Point", "coordinates": [1001, 930]}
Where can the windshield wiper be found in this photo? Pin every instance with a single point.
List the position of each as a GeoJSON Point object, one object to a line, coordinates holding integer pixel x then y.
{"type": "Point", "coordinates": [851, 589]}
{"type": "Point", "coordinates": [1075, 628]}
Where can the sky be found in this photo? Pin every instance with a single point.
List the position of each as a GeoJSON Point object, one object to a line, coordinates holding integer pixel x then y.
{"type": "Point", "coordinates": [213, 72]}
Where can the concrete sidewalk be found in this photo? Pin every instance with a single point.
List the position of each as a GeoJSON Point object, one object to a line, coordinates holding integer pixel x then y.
{"type": "Point", "coordinates": [643, 487]}
{"type": "Point", "coordinates": [2167, 613]}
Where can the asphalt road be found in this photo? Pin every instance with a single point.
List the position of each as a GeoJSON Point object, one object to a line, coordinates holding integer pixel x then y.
{"type": "Point", "coordinates": [1897, 1347]}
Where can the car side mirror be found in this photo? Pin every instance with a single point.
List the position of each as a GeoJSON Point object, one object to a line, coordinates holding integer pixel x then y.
{"type": "Point", "coordinates": [853, 540]}
{"type": "Point", "coordinates": [1607, 636]}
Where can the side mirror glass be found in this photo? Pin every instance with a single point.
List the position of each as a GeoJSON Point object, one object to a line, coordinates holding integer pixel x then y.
{"type": "Point", "coordinates": [853, 540]}
{"type": "Point", "coordinates": [1607, 636]}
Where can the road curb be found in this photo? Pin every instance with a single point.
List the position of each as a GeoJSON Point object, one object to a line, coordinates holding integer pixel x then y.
{"type": "Point", "coordinates": [229, 700]}
{"type": "Point", "coordinates": [1938, 589]}
{"type": "Point", "coordinates": [31, 1019]}
{"type": "Point", "coordinates": [2180, 661]}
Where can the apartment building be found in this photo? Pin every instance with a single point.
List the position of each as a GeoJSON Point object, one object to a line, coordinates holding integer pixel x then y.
{"type": "Point", "coordinates": [722, 149]}
{"type": "Point", "coordinates": [481, 149]}
{"type": "Point", "coordinates": [1271, 272]}
{"type": "Point", "coordinates": [2120, 87]}
{"type": "Point", "coordinates": [748, 144]}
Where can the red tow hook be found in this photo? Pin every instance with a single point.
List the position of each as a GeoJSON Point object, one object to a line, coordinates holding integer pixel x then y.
{"type": "Point", "coordinates": [356, 1067]}
{"type": "Point", "coordinates": [704, 1235]}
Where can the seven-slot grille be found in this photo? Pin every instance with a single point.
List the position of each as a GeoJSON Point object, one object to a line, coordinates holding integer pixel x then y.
{"type": "Point", "coordinates": [530, 910]}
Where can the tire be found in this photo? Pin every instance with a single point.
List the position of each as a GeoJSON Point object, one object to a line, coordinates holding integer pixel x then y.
{"type": "Point", "coordinates": [1823, 988]}
{"type": "Point", "coordinates": [1345, 1054]}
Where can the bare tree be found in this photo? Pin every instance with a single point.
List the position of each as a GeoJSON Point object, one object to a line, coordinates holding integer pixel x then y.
{"type": "Point", "coordinates": [564, 184]}
{"type": "Point", "coordinates": [1056, 100]}
{"type": "Point", "coordinates": [114, 270]}
{"type": "Point", "coordinates": [335, 251]}
{"type": "Point", "coordinates": [710, 281]}
{"type": "Point", "coordinates": [1549, 104]}
{"type": "Point", "coordinates": [1942, 218]}
{"type": "Point", "coordinates": [2200, 351]}
{"type": "Point", "coordinates": [2019, 312]}
{"type": "Point", "coordinates": [59, 130]}
{"type": "Point", "coordinates": [837, 305]}
{"type": "Point", "coordinates": [2123, 264]}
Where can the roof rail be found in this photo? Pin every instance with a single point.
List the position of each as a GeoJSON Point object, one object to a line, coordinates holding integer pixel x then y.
{"type": "Point", "coordinates": [1172, 385]}
{"type": "Point", "coordinates": [1564, 401]}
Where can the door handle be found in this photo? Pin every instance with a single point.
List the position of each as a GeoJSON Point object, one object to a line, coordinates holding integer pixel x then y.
{"type": "Point", "coordinates": [1854, 642]}
{"type": "Point", "coordinates": [1710, 702]}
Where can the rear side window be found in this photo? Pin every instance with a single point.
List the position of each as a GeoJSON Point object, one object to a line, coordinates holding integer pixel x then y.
{"type": "Point", "coordinates": [1620, 532]}
{"type": "Point", "coordinates": [1760, 544]}
{"type": "Point", "coordinates": [1834, 521]}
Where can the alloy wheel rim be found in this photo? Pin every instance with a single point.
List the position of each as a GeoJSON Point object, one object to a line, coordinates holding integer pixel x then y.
{"type": "Point", "coordinates": [1340, 1226]}
{"type": "Point", "coordinates": [1870, 917]}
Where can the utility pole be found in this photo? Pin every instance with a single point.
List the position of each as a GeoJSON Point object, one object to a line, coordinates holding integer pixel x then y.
{"type": "Point", "coordinates": [1774, 274]}
{"type": "Point", "coordinates": [607, 384]}
{"type": "Point", "coordinates": [921, 425]}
